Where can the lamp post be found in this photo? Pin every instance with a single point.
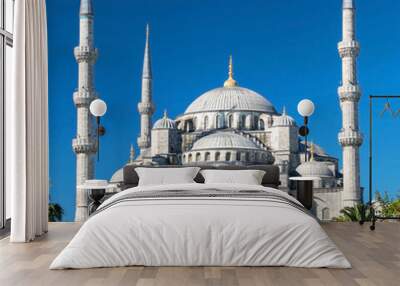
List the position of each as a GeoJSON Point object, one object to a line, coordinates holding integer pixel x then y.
{"type": "Point", "coordinates": [306, 109]}
{"type": "Point", "coordinates": [98, 108]}
{"type": "Point", "coordinates": [386, 108]}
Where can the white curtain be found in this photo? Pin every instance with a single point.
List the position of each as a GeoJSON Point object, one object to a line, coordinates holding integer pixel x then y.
{"type": "Point", "coordinates": [27, 123]}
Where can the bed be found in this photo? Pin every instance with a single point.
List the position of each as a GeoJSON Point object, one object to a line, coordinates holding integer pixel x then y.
{"type": "Point", "coordinates": [201, 224]}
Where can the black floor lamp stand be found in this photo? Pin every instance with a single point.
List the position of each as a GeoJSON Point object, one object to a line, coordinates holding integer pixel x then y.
{"type": "Point", "coordinates": [370, 206]}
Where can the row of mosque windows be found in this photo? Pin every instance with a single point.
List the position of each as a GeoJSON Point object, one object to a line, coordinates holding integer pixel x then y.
{"type": "Point", "coordinates": [245, 122]}
{"type": "Point", "coordinates": [240, 156]}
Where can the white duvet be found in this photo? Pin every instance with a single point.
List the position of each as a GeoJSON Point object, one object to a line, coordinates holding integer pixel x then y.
{"type": "Point", "coordinates": [185, 230]}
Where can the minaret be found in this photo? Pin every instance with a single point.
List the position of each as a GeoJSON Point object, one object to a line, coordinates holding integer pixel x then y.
{"type": "Point", "coordinates": [84, 144]}
{"type": "Point", "coordinates": [350, 136]}
{"type": "Point", "coordinates": [146, 107]}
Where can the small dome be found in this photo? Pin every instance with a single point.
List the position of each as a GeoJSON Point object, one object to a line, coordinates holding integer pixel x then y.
{"type": "Point", "coordinates": [165, 123]}
{"type": "Point", "coordinates": [283, 120]}
{"type": "Point", "coordinates": [118, 176]}
{"type": "Point", "coordinates": [318, 150]}
{"type": "Point", "coordinates": [224, 140]}
{"type": "Point", "coordinates": [314, 169]}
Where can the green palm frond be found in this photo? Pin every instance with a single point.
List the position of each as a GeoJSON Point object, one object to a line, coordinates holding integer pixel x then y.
{"type": "Point", "coordinates": [357, 213]}
{"type": "Point", "coordinates": [55, 212]}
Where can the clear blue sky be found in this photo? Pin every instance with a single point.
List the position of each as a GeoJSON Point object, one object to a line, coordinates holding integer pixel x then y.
{"type": "Point", "coordinates": [285, 50]}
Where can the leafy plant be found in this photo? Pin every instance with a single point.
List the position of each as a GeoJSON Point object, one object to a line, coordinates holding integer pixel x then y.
{"type": "Point", "coordinates": [55, 212]}
{"type": "Point", "coordinates": [384, 206]}
{"type": "Point", "coordinates": [391, 209]}
{"type": "Point", "coordinates": [387, 207]}
{"type": "Point", "coordinates": [357, 213]}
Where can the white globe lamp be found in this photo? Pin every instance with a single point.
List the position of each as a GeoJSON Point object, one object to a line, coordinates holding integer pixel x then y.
{"type": "Point", "coordinates": [306, 107]}
{"type": "Point", "coordinates": [98, 108]}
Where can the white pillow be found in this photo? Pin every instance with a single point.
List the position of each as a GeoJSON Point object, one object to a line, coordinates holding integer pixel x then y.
{"type": "Point", "coordinates": [248, 177]}
{"type": "Point", "coordinates": [166, 176]}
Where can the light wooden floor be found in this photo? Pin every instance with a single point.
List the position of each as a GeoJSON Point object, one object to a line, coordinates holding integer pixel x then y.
{"type": "Point", "coordinates": [375, 257]}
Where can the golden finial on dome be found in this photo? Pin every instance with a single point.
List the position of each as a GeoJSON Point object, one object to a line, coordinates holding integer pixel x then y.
{"type": "Point", "coordinates": [165, 113]}
{"type": "Point", "coordinates": [230, 82]}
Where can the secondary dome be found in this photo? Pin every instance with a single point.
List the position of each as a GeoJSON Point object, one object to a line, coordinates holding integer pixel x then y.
{"type": "Point", "coordinates": [284, 120]}
{"type": "Point", "coordinates": [223, 140]}
{"type": "Point", "coordinates": [164, 123]}
{"type": "Point", "coordinates": [118, 176]}
{"type": "Point", "coordinates": [230, 97]}
{"type": "Point", "coordinates": [318, 150]}
{"type": "Point", "coordinates": [314, 169]}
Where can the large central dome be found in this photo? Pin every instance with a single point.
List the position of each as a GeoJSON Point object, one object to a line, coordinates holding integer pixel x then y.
{"type": "Point", "coordinates": [230, 98]}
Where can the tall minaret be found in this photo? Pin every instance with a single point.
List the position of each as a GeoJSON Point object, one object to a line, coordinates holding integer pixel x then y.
{"type": "Point", "coordinates": [84, 144]}
{"type": "Point", "coordinates": [350, 136]}
{"type": "Point", "coordinates": [146, 107]}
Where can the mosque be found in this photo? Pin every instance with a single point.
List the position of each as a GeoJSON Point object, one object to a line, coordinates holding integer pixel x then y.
{"type": "Point", "coordinates": [234, 125]}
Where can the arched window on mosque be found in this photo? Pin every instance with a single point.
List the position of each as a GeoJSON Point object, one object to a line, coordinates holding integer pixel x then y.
{"type": "Point", "coordinates": [184, 158]}
{"type": "Point", "coordinates": [261, 124]}
{"type": "Point", "coordinates": [325, 214]}
{"type": "Point", "coordinates": [242, 120]}
{"type": "Point", "coordinates": [256, 123]}
{"type": "Point", "coordinates": [205, 123]}
{"type": "Point", "coordinates": [247, 156]}
{"type": "Point", "coordinates": [189, 125]}
{"type": "Point", "coordinates": [217, 156]}
{"type": "Point", "coordinates": [190, 158]}
{"type": "Point", "coordinates": [194, 123]}
{"type": "Point", "coordinates": [238, 156]}
{"type": "Point", "coordinates": [228, 156]}
{"type": "Point", "coordinates": [219, 121]}
{"type": "Point", "coordinates": [207, 156]}
{"type": "Point", "coordinates": [198, 157]}
{"type": "Point", "coordinates": [230, 121]}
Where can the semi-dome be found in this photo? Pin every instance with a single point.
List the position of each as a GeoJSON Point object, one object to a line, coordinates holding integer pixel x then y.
{"type": "Point", "coordinates": [318, 150]}
{"type": "Point", "coordinates": [283, 120]}
{"type": "Point", "coordinates": [230, 97]}
{"type": "Point", "coordinates": [118, 176]}
{"type": "Point", "coordinates": [164, 123]}
{"type": "Point", "coordinates": [224, 140]}
{"type": "Point", "coordinates": [314, 169]}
